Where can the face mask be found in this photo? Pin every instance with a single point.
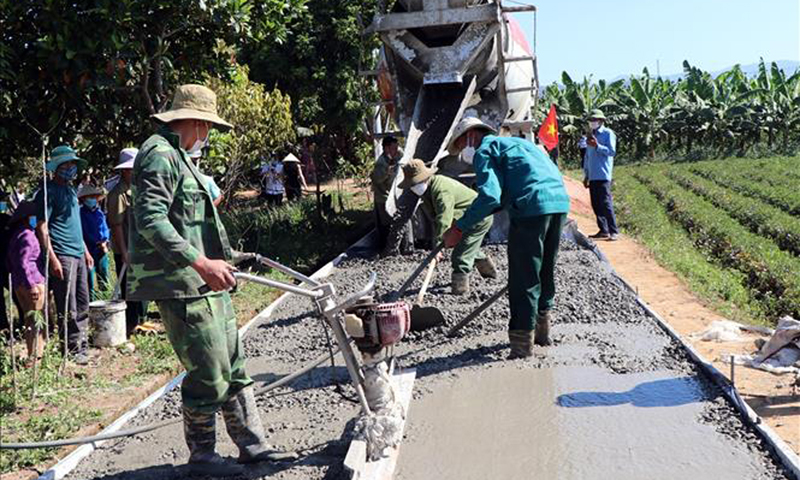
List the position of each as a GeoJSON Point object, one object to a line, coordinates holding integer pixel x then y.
{"type": "Point", "coordinates": [3, 207]}
{"type": "Point", "coordinates": [420, 188]}
{"type": "Point", "coordinates": [197, 147]}
{"type": "Point", "coordinates": [32, 221]}
{"type": "Point", "coordinates": [91, 203]}
{"type": "Point", "coordinates": [69, 174]}
{"type": "Point", "coordinates": [594, 124]}
{"type": "Point", "coordinates": [468, 154]}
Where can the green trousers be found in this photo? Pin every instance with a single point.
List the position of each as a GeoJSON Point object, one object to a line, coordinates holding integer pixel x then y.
{"type": "Point", "coordinates": [203, 334]}
{"type": "Point", "coordinates": [532, 253]}
{"type": "Point", "coordinates": [469, 248]}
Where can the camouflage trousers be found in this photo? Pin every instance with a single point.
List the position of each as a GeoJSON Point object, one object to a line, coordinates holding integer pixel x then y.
{"type": "Point", "coordinates": [203, 334]}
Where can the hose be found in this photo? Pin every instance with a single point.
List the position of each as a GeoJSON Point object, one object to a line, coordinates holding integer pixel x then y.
{"type": "Point", "coordinates": [155, 426]}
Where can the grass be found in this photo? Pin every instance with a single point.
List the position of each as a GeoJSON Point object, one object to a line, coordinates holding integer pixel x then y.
{"type": "Point", "coordinates": [737, 252]}
{"type": "Point", "coordinates": [294, 234]}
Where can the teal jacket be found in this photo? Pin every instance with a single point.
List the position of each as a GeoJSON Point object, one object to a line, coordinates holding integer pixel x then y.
{"type": "Point", "coordinates": [515, 175]}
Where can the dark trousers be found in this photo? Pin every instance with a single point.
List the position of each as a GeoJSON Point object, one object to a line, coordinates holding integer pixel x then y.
{"type": "Point", "coordinates": [274, 200]}
{"type": "Point", "coordinates": [72, 300]}
{"type": "Point", "coordinates": [533, 244]}
{"type": "Point", "coordinates": [135, 312]}
{"type": "Point", "coordinates": [603, 206]}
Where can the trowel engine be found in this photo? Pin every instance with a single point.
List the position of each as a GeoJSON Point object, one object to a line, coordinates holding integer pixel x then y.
{"type": "Point", "coordinates": [374, 326]}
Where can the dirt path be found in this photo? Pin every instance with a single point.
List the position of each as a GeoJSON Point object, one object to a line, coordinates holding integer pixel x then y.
{"type": "Point", "coordinates": [614, 393]}
{"type": "Point", "coordinates": [771, 396]}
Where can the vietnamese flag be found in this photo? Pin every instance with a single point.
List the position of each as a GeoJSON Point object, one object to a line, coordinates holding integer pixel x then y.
{"type": "Point", "coordinates": [548, 133]}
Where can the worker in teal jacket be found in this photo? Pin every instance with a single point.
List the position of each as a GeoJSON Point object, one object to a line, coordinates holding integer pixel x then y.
{"type": "Point", "coordinates": [514, 175]}
{"type": "Point", "coordinates": [445, 200]}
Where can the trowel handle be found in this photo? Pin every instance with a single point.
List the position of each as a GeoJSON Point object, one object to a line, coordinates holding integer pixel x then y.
{"type": "Point", "coordinates": [419, 270]}
{"type": "Point", "coordinates": [426, 282]}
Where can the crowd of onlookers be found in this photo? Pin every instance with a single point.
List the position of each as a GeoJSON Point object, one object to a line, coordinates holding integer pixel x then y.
{"type": "Point", "coordinates": [86, 223]}
{"type": "Point", "coordinates": [71, 227]}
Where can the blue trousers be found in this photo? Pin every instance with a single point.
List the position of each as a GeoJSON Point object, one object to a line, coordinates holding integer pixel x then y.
{"type": "Point", "coordinates": [603, 206]}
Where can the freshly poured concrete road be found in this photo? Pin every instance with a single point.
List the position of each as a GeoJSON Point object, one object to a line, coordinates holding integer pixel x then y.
{"type": "Point", "coordinates": [613, 398]}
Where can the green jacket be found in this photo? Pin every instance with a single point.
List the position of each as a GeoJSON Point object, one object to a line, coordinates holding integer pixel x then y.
{"type": "Point", "coordinates": [382, 177]}
{"type": "Point", "coordinates": [515, 175]}
{"type": "Point", "coordinates": [174, 222]}
{"type": "Point", "coordinates": [446, 200]}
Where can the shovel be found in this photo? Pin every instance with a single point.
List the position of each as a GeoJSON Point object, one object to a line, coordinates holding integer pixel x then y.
{"type": "Point", "coordinates": [474, 314]}
{"type": "Point", "coordinates": [423, 318]}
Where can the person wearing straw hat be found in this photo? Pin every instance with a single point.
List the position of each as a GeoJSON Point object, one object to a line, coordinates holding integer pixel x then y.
{"type": "Point", "coordinates": [445, 200]}
{"type": "Point", "coordinates": [95, 235]}
{"type": "Point", "coordinates": [514, 175]}
{"type": "Point", "coordinates": [178, 245]}
{"type": "Point", "coordinates": [597, 168]}
{"type": "Point", "coordinates": [295, 182]}
{"type": "Point", "coordinates": [62, 239]}
{"type": "Point", "coordinates": [118, 216]}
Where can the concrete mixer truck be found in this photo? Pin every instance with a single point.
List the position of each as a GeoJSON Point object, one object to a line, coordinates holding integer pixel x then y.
{"type": "Point", "coordinates": [442, 60]}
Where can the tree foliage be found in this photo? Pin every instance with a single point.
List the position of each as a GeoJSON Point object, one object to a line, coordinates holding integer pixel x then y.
{"type": "Point", "coordinates": [727, 115]}
{"type": "Point", "coordinates": [262, 124]}
{"type": "Point", "coordinates": [93, 71]}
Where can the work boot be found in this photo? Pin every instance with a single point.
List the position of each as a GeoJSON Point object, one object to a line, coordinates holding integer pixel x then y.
{"type": "Point", "coordinates": [199, 428]}
{"type": "Point", "coordinates": [521, 344]}
{"type": "Point", "coordinates": [459, 284]}
{"type": "Point", "coordinates": [486, 268]}
{"type": "Point", "coordinates": [541, 336]}
{"type": "Point", "coordinates": [245, 429]}
{"type": "Point", "coordinates": [599, 234]}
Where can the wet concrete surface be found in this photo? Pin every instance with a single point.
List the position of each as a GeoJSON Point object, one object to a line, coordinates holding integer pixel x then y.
{"type": "Point", "coordinates": [615, 397]}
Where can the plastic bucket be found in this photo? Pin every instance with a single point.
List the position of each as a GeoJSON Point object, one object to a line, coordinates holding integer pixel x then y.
{"type": "Point", "coordinates": [108, 320]}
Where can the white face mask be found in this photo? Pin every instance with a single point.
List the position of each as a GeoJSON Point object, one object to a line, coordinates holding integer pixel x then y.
{"type": "Point", "coordinates": [594, 124]}
{"type": "Point", "coordinates": [420, 188]}
{"type": "Point", "coordinates": [197, 147]}
{"type": "Point", "coordinates": [468, 154]}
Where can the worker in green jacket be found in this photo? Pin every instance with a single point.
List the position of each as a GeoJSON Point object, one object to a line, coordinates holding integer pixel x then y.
{"type": "Point", "coordinates": [514, 175]}
{"type": "Point", "coordinates": [382, 176]}
{"type": "Point", "coordinates": [177, 244]}
{"type": "Point", "coordinates": [445, 200]}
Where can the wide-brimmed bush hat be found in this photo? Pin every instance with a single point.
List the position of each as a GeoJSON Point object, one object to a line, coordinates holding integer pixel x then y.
{"type": "Point", "coordinates": [464, 126]}
{"type": "Point", "coordinates": [90, 191]}
{"type": "Point", "coordinates": [415, 172]}
{"type": "Point", "coordinates": [597, 114]}
{"type": "Point", "coordinates": [193, 102]}
{"type": "Point", "coordinates": [63, 154]}
{"type": "Point", "coordinates": [126, 158]}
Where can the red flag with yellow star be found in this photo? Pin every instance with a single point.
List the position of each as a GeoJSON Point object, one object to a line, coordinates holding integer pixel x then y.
{"type": "Point", "coordinates": [548, 133]}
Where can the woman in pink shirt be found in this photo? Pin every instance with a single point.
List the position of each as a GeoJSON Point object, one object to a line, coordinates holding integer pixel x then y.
{"type": "Point", "coordinates": [25, 263]}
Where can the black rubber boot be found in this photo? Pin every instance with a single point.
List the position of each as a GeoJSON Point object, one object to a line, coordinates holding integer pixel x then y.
{"type": "Point", "coordinates": [200, 431]}
{"type": "Point", "coordinates": [245, 429]}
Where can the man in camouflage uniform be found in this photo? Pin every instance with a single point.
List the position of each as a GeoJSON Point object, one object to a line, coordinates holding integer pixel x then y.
{"type": "Point", "coordinates": [445, 200]}
{"type": "Point", "coordinates": [177, 245]}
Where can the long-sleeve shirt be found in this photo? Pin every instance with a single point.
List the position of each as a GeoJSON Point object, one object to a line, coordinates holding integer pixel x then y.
{"type": "Point", "coordinates": [599, 162]}
{"type": "Point", "coordinates": [174, 223]}
{"type": "Point", "coordinates": [515, 175]}
{"type": "Point", "coordinates": [95, 229]}
{"type": "Point", "coordinates": [24, 258]}
{"type": "Point", "coordinates": [446, 200]}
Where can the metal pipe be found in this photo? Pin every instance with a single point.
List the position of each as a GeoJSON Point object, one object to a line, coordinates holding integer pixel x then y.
{"type": "Point", "coordinates": [279, 285]}
{"type": "Point", "coordinates": [283, 268]}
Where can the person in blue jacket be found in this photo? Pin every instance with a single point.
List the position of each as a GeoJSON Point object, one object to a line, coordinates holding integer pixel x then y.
{"type": "Point", "coordinates": [95, 235]}
{"type": "Point", "coordinates": [597, 168]}
{"type": "Point", "coordinates": [513, 174]}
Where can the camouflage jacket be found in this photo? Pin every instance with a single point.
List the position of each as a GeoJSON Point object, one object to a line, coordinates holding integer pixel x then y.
{"type": "Point", "coordinates": [382, 177]}
{"type": "Point", "coordinates": [174, 221]}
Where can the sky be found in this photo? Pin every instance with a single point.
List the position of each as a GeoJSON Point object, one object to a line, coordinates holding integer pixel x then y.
{"type": "Point", "coordinates": [610, 38]}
